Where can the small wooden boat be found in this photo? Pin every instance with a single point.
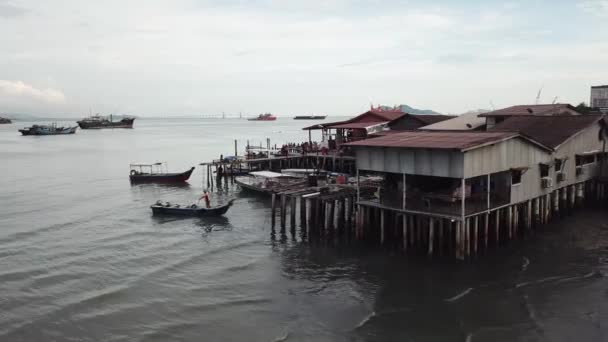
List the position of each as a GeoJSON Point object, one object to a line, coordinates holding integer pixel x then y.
{"type": "Point", "coordinates": [160, 208]}
{"type": "Point", "coordinates": [156, 173]}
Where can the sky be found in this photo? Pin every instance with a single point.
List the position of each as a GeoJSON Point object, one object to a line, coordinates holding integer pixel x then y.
{"type": "Point", "coordinates": [295, 57]}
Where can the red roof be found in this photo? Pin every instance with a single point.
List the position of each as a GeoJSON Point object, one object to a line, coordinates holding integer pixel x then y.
{"type": "Point", "coordinates": [439, 140]}
{"type": "Point", "coordinates": [542, 109]}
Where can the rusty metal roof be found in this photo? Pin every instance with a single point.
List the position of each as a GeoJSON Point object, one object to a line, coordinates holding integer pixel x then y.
{"type": "Point", "coordinates": [429, 119]}
{"type": "Point", "coordinates": [356, 125]}
{"type": "Point", "coordinates": [371, 116]}
{"type": "Point", "coordinates": [437, 140]}
{"type": "Point", "coordinates": [541, 109]}
{"type": "Point", "coordinates": [549, 130]}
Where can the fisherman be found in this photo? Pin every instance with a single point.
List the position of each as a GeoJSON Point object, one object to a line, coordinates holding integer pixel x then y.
{"type": "Point", "coordinates": [205, 196]}
{"type": "Point", "coordinates": [220, 173]}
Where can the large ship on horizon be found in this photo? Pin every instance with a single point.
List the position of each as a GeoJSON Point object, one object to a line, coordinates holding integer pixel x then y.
{"type": "Point", "coordinates": [309, 117]}
{"type": "Point", "coordinates": [97, 121]}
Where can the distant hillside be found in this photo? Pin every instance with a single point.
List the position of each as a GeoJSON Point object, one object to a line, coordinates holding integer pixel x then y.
{"type": "Point", "coordinates": [407, 109]}
{"type": "Point", "coordinates": [477, 111]}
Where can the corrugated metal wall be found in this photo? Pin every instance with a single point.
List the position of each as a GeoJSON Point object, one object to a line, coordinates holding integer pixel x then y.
{"type": "Point", "coordinates": [425, 162]}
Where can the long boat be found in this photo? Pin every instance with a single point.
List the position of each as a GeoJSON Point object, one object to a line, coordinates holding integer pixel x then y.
{"type": "Point", "coordinates": [264, 117]}
{"type": "Point", "coordinates": [156, 173]}
{"type": "Point", "coordinates": [98, 122]}
{"type": "Point", "coordinates": [47, 130]}
{"type": "Point", "coordinates": [160, 208]}
{"type": "Point", "coordinates": [309, 117]}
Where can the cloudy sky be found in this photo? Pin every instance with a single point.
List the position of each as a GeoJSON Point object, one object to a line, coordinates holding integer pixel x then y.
{"type": "Point", "coordinates": [187, 57]}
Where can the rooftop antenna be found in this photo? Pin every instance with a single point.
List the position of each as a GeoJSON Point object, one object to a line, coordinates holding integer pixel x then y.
{"type": "Point", "coordinates": [538, 95]}
{"type": "Point", "coordinates": [555, 100]}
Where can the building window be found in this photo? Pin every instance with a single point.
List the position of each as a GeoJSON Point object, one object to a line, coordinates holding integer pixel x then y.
{"type": "Point", "coordinates": [558, 165]}
{"type": "Point", "coordinates": [516, 177]}
{"type": "Point", "coordinates": [544, 170]}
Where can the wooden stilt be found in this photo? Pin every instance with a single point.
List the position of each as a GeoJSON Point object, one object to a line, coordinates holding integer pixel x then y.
{"type": "Point", "coordinates": [440, 243]}
{"type": "Point", "coordinates": [458, 245]}
{"type": "Point", "coordinates": [475, 233]}
{"type": "Point", "coordinates": [509, 222]}
{"type": "Point", "coordinates": [292, 213]}
{"type": "Point", "coordinates": [283, 212]}
{"type": "Point", "coordinates": [308, 208]}
{"type": "Point", "coordinates": [302, 214]}
{"type": "Point", "coordinates": [431, 236]}
{"type": "Point", "coordinates": [497, 226]}
{"type": "Point", "coordinates": [486, 227]}
{"type": "Point", "coordinates": [273, 208]}
{"type": "Point", "coordinates": [382, 225]}
{"type": "Point", "coordinates": [405, 232]}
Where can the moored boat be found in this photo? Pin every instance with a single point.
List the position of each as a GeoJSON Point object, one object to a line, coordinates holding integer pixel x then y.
{"type": "Point", "coordinates": [309, 117]}
{"type": "Point", "coordinates": [266, 181]}
{"type": "Point", "coordinates": [160, 208]}
{"type": "Point", "coordinates": [264, 117]}
{"type": "Point", "coordinates": [98, 122]}
{"type": "Point", "coordinates": [5, 120]}
{"type": "Point", "coordinates": [47, 130]}
{"type": "Point", "coordinates": [156, 173]}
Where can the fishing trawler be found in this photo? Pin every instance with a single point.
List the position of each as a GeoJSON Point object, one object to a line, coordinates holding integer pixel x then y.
{"type": "Point", "coordinates": [47, 130]}
{"type": "Point", "coordinates": [97, 122]}
{"type": "Point", "coordinates": [264, 117]}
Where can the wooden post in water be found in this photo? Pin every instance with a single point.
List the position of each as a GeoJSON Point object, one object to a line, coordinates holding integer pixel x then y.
{"type": "Point", "coordinates": [404, 232]}
{"type": "Point", "coordinates": [475, 233]}
{"type": "Point", "coordinates": [431, 235]}
{"type": "Point", "coordinates": [509, 222]}
{"type": "Point", "coordinates": [529, 215]}
{"type": "Point", "coordinates": [292, 213]}
{"type": "Point", "coordinates": [302, 213]}
{"type": "Point", "coordinates": [273, 208]}
{"type": "Point", "coordinates": [382, 225]}
{"type": "Point", "coordinates": [458, 248]}
{"type": "Point", "coordinates": [497, 226]}
{"type": "Point", "coordinates": [283, 211]}
{"type": "Point", "coordinates": [440, 243]}
{"type": "Point", "coordinates": [486, 232]}
{"type": "Point", "coordinates": [308, 208]}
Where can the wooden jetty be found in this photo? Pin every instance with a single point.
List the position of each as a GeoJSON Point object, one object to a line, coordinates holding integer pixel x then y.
{"type": "Point", "coordinates": [449, 193]}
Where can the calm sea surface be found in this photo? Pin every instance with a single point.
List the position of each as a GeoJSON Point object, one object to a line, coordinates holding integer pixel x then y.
{"type": "Point", "coordinates": [82, 259]}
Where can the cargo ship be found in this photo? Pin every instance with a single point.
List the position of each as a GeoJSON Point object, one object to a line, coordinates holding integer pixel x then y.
{"type": "Point", "coordinates": [310, 117]}
{"type": "Point", "coordinates": [264, 117]}
{"type": "Point", "coordinates": [97, 122]}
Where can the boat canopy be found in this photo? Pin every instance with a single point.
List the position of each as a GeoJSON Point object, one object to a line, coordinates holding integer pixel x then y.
{"type": "Point", "coordinates": [146, 164]}
{"type": "Point", "coordinates": [267, 174]}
